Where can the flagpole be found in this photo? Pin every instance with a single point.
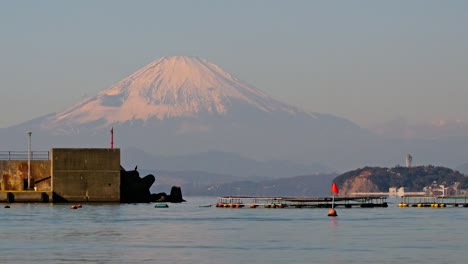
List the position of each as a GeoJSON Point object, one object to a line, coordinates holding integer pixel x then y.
{"type": "Point", "coordinates": [112, 138]}
{"type": "Point", "coordinates": [334, 190]}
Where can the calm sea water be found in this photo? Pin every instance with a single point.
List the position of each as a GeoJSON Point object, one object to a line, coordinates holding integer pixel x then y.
{"type": "Point", "coordinates": [188, 233]}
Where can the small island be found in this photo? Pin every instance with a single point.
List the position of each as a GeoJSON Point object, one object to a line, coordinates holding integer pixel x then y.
{"type": "Point", "coordinates": [425, 180]}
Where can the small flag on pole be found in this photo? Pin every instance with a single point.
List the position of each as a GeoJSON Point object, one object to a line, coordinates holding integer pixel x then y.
{"type": "Point", "coordinates": [334, 188]}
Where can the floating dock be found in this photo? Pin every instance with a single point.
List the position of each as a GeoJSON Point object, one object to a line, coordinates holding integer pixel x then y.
{"type": "Point", "coordinates": [433, 201]}
{"type": "Point", "coordinates": [292, 202]}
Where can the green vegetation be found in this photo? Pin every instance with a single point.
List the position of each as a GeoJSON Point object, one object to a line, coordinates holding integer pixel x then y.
{"type": "Point", "coordinates": [414, 179]}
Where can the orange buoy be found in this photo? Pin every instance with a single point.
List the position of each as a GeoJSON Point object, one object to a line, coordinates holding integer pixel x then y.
{"type": "Point", "coordinates": [332, 212]}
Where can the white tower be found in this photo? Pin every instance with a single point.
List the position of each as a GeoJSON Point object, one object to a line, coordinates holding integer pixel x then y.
{"type": "Point", "coordinates": [409, 159]}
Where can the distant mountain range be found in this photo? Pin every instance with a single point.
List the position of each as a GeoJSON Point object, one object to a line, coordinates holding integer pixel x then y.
{"type": "Point", "coordinates": [219, 163]}
{"type": "Point", "coordinates": [185, 113]}
{"type": "Point", "coordinates": [298, 186]}
{"type": "Point", "coordinates": [195, 183]}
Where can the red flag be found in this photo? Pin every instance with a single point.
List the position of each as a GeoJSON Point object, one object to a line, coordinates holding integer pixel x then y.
{"type": "Point", "coordinates": [334, 188]}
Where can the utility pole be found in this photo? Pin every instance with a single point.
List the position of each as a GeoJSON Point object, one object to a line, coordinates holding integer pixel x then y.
{"type": "Point", "coordinates": [29, 160]}
{"type": "Point", "coordinates": [112, 138]}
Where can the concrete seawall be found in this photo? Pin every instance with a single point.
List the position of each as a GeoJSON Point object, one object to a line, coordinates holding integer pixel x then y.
{"type": "Point", "coordinates": [14, 174]}
{"type": "Point", "coordinates": [85, 175]}
{"type": "Point", "coordinates": [71, 175]}
{"type": "Point", "coordinates": [25, 197]}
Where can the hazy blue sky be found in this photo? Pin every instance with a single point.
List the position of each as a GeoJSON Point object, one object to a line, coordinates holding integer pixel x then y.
{"type": "Point", "coordinates": [368, 61]}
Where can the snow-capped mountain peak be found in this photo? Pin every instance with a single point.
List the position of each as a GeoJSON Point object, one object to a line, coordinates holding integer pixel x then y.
{"type": "Point", "coordinates": [176, 86]}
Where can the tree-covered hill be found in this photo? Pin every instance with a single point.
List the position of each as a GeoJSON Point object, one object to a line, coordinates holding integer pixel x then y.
{"type": "Point", "coordinates": [372, 179]}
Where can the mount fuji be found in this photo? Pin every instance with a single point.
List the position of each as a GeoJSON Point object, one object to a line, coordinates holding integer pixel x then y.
{"type": "Point", "coordinates": [183, 105]}
{"type": "Point", "coordinates": [171, 87]}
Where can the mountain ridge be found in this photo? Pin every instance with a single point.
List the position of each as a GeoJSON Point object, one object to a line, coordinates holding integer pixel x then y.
{"type": "Point", "coordinates": [170, 87]}
{"type": "Point", "coordinates": [220, 163]}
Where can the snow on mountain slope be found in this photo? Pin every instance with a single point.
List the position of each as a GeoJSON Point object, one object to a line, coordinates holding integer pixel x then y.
{"type": "Point", "coordinates": [177, 86]}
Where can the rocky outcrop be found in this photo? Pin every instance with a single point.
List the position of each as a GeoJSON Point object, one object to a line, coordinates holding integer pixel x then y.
{"type": "Point", "coordinates": [174, 197]}
{"type": "Point", "coordinates": [361, 183]}
{"type": "Point", "coordinates": [134, 189]}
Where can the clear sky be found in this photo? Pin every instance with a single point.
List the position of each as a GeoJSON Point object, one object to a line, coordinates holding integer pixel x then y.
{"type": "Point", "coordinates": [368, 61]}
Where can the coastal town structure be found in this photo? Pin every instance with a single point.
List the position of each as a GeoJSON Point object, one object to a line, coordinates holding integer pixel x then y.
{"type": "Point", "coordinates": [392, 191]}
{"type": "Point", "coordinates": [61, 175]}
{"type": "Point", "coordinates": [433, 190]}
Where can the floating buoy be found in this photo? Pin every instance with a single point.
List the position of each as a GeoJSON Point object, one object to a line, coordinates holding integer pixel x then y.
{"type": "Point", "coordinates": [78, 205]}
{"type": "Point", "coordinates": [332, 212]}
{"type": "Point", "coordinates": [253, 206]}
{"type": "Point", "coordinates": [7, 206]}
{"type": "Point", "coordinates": [74, 207]}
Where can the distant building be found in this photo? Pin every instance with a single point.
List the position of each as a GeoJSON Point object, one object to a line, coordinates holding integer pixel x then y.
{"type": "Point", "coordinates": [392, 191]}
{"type": "Point", "coordinates": [443, 190]}
{"type": "Point", "coordinates": [409, 159]}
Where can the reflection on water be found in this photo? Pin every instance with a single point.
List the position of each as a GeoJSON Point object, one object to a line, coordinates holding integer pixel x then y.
{"type": "Point", "coordinates": [187, 233]}
{"type": "Point", "coordinates": [333, 235]}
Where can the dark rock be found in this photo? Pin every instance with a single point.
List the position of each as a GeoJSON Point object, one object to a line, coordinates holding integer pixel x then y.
{"type": "Point", "coordinates": [134, 189]}
{"type": "Point", "coordinates": [159, 197]}
{"type": "Point", "coordinates": [176, 195]}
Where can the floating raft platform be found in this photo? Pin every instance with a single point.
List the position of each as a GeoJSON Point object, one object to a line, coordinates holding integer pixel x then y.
{"type": "Point", "coordinates": [292, 202]}
{"type": "Point", "coordinates": [433, 201]}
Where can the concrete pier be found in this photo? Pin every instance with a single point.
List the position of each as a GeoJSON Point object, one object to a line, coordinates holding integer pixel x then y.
{"type": "Point", "coordinates": [68, 175]}
{"type": "Point", "coordinates": [85, 175]}
{"type": "Point", "coordinates": [25, 197]}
